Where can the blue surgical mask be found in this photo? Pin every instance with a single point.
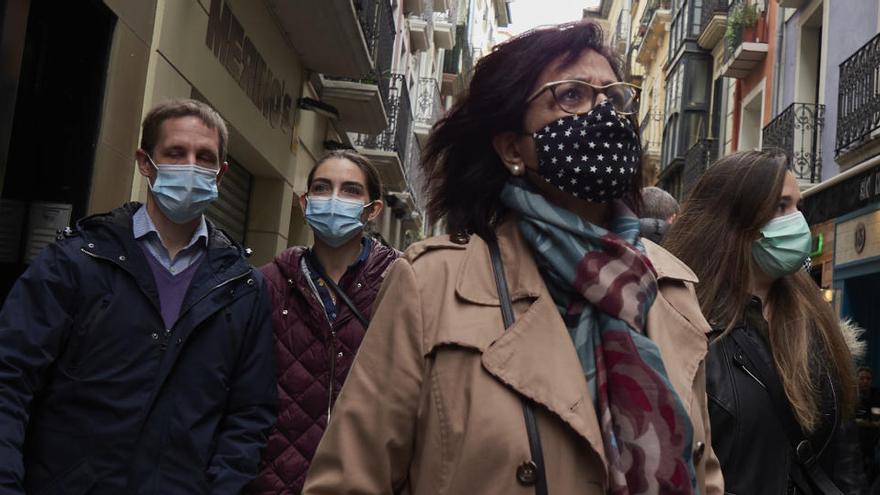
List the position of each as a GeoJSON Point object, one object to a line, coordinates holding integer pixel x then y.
{"type": "Point", "coordinates": [783, 246]}
{"type": "Point", "coordinates": [183, 192]}
{"type": "Point", "coordinates": [333, 219]}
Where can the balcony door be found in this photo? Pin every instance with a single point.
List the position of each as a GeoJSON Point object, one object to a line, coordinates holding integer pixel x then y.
{"type": "Point", "coordinates": [809, 65]}
{"type": "Point", "coordinates": [751, 120]}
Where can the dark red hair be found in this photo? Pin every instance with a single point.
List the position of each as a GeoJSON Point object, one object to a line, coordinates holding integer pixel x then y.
{"type": "Point", "coordinates": [464, 175]}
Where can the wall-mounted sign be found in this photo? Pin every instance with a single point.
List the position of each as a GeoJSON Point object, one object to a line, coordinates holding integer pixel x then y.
{"type": "Point", "coordinates": [227, 39]}
{"type": "Point", "coordinates": [859, 238]}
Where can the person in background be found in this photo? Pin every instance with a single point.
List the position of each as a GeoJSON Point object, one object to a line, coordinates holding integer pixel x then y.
{"type": "Point", "coordinates": [658, 212]}
{"type": "Point", "coordinates": [541, 347]}
{"type": "Point", "coordinates": [136, 352]}
{"type": "Point", "coordinates": [869, 395]}
{"type": "Point", "coordinates": [781, 378]}
{"type": "Point", "coordinates": [322, 300]}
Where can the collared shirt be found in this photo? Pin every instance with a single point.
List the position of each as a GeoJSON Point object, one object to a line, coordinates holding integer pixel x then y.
{"type": "Point", "coordinates": [321, 287]}
{"type": "Point", "coordinates": [148, 237]}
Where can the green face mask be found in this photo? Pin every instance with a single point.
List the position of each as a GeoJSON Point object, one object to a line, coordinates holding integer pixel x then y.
{"type": "Point", "coordinates": [783, 246]}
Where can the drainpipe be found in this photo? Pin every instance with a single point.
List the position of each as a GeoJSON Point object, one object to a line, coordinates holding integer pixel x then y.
{"type": "Point", "coordinates": [777, 62]}
{"type": "Point", "coordinates": [627, 10]}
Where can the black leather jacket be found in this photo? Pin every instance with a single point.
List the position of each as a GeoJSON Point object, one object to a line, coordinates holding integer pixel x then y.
{"type": "Point", "coordinates": [749, 437]}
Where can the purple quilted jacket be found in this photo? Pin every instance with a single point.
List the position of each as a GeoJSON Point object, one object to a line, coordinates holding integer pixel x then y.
{"type": "Point", "coordinates": [307, 351]}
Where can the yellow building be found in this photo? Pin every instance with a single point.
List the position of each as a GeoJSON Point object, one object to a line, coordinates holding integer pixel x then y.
{"type": "Point", "coordinates": [292, 80]}
{"type": "Point", "coordinates": [650, 48]}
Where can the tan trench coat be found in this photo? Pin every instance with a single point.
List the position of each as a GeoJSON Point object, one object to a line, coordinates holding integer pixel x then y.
{"type": "Point", "coordinates": [432, 403]}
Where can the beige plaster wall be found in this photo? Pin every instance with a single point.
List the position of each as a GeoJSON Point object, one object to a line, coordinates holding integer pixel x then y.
{"type": "Point", "coordinates": [278, 158]}
{"type": "Point", "coordinates": [123, 102]}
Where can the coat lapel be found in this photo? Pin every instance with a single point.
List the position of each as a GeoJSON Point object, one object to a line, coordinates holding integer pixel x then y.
{"type": "Point", "coordinates": [535, 356]}
{"type": "Point", "coordinates": [675, 321]}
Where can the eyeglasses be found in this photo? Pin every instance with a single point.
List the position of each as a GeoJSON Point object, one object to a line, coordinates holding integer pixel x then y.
{"type": "Point", "coordinates": [576, 97]}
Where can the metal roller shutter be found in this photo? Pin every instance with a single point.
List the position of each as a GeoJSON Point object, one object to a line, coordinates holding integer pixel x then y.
{"type": "Point", "coordinates": [230, 211]}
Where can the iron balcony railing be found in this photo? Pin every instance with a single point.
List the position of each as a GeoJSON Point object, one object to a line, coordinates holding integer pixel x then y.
{"type": "Point", "coordinates": [428, 104]}
{"type": "Point", "coordinates": [696, 161]}
{"type": "Point", "coordinates": [653, 6]}
{"type": "Point", "coordinates": [798, 132]}
{"type": "Point", "coordinates": [858, 99]}
{"type": "Point", "coordinates": [395, 136]}
{"type": "Point", "coordinates": [377, 23]}
{"type": "Point", "coordinates": [651, 131]}
{"type": "Point", "coordinates": [710, 9]}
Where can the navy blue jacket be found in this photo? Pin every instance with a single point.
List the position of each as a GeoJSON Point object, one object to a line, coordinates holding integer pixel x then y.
{"type": "Point", "coordinates": [97, 397]}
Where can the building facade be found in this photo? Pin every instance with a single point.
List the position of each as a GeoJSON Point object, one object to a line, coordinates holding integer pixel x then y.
{"type": "Point", "coordinates": [291, 79]}
{"type": "Point", "coordinates": [829, 107]}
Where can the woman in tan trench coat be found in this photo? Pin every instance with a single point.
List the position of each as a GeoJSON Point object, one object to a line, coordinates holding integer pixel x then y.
{"type": "Point", "coordinates": [606, 349]}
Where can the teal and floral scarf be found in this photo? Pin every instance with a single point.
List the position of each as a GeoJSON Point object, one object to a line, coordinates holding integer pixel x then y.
{"type": "Point", "coordinates": [604, 285]}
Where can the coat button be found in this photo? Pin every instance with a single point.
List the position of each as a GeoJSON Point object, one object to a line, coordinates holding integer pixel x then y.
{"type": "Point", "coordinates": [290, 281]}
{"type": "Point", "coordinates": [284, 312]}
{"type": "Point", "coordinates": [155, 336]}
{"type": "Point", "coordinates": [460, 238]}
{"type": "Point", "coordinates": [698, 452]}
{"type": "Point", "coordinates": [339, 355]}
{"type": "Point", "coordinates": [250, 281]}
{"type": "Point", "coordinates": [121, 257]}
{"type": "Point", "coordinates": [91, 245]}
{"type": "Point", "coordinates": [527, 473]}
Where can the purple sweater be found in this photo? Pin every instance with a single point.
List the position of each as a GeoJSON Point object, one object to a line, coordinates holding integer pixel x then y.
{"type": "Point", "coordinates": [172, 288]}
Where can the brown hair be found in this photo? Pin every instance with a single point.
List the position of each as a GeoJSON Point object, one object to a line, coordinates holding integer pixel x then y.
{"type": "Point", "coordinates": [374, 182]}
{"type": "Point", "coordinates": [464, 175]}
{"type": "Point", "coordinates": [714, 233]}
{"type": "Point", "coordinates": [184, 107]}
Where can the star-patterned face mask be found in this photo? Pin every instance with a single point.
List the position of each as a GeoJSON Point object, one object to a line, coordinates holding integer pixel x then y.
{"type": "Point", "coordinates": [593, 156]}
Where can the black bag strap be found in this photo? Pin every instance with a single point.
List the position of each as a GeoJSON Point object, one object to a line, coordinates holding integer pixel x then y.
{"type": "Point", "coordinates": [529, 415]}
{"type": "Point", "coordinates": [804, 455]}
{"type": "Point", "coordinates": [342, 295]}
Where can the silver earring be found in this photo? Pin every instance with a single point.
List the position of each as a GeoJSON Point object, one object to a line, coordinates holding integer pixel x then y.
{"type": "Point", "coordinates": [516, 170]}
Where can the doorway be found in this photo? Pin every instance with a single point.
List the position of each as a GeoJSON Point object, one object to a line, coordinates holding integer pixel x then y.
{"type": "Point", "coordinates": [751, 119]}
{"type": "Point", "coordinates": [47, 170]}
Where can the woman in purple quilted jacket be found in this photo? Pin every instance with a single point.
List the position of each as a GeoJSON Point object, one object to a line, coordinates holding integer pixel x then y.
{"type": "Point", "coordinates": [322, 300]}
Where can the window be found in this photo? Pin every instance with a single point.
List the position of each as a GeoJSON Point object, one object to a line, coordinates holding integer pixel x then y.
{"type": "Point", "coordinates": [687, 105]}
{"type": "Point", "coordinates": [686, 16]}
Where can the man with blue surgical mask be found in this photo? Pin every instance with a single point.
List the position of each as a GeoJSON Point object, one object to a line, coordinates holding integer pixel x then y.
{"type": "Point", "coordinates": [323, 300]}
{"type": "Point", "coordinates": [136, 352]}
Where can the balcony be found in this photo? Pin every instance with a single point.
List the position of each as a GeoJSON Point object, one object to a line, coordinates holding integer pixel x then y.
{"type": "Point", "coordinates": [858, 107]}
{"type": "Point", "coordinates": [361, 101]}
{"type": "Point", "coordinates": [444, 31]}
{"type": "Point", "coordinates": [416, 7]}
{"type": "Point", "coordinates": [655, 26]}
{"type": "Point", "coordinates": [388, 148]}
{"type": "Point", "coordinates": [457, 64]}
{"type": "Point", "coordinates": [651, 132]}
{"type": "Point", "coordinates": [696, 161]}
{"type": "Point", "coordinates": [333, 37]}
{"type": "Point", "coordinates": [745, 40]}
{"type": "Point", "coordinates": [419, 33]}
{"type": "Point", "coordinates": [798, 132]}
{"type": "Point", "coordinates": [429, 109]}
{"type": "Point", "coordinates": [793, 4]}
{"type": "Point", "coordinates": [713, 23]}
